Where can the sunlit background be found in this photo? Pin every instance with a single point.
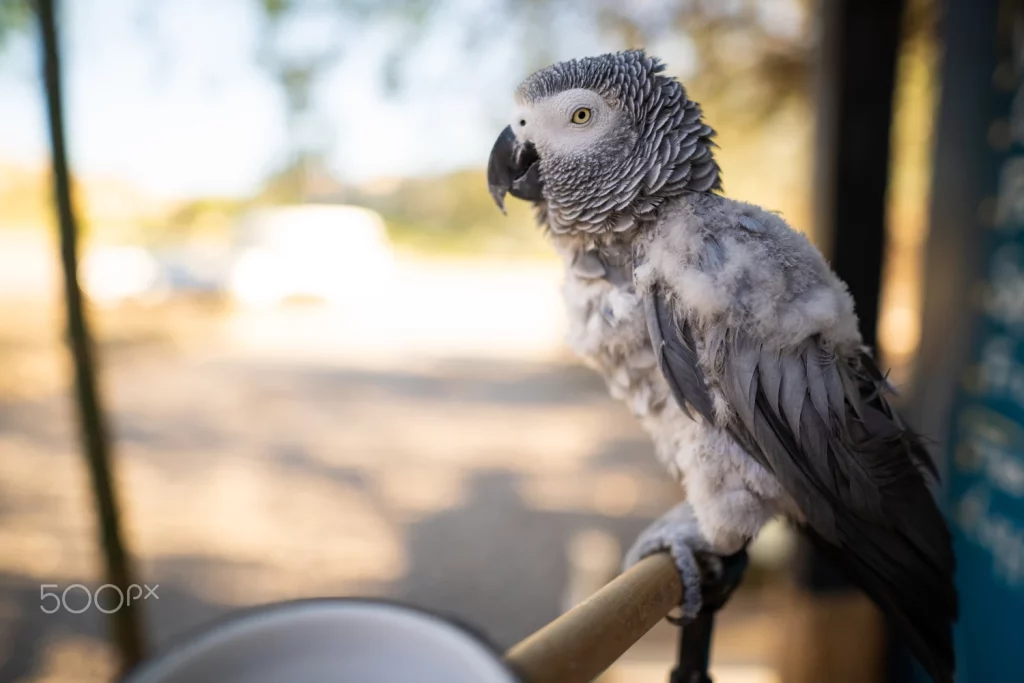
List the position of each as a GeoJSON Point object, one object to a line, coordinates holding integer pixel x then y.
{"type": "Point", "coordinates": [332, 366]}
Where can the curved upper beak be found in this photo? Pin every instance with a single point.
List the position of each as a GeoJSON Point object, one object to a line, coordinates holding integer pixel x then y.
{"type": "Point", "coordinates": [513, 168]}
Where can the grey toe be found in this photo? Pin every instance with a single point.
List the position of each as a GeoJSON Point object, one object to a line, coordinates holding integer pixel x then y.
{"type": "Point", "coordinates": [678, 534]}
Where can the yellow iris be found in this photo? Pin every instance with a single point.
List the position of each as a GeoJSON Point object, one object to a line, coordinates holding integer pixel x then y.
{"type": "Point", "coordinates": [581, 115]}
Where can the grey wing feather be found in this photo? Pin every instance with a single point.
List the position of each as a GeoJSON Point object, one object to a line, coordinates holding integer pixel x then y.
{"type": "Point", "coordinates": [857, 477]}
{"type": "Point", "coordinates": [822, 425]}
{"type": "Point", "coordinates": [741, 379]}
{"type": "Point", "coordinates": [794, 387]}
{"type": "Point", "coordinates": [815, 362]}
{"type": "Point", "coordinates": [834, 392]}
{"type": "Point", "coordinates": [769, 369]}
{"type": "Point", "coordinates": [677, 357]}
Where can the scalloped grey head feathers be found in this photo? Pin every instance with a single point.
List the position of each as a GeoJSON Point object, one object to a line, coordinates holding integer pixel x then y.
{"type": "Point", "coordinates": [662, 150]}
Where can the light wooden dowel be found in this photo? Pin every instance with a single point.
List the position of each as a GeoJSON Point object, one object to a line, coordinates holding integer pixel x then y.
{"type": "Point", "coordinates": [586, 640]}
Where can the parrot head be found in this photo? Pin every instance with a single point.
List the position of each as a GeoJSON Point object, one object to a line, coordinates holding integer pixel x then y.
{"type": "Point", "coordinates": [602, 139]}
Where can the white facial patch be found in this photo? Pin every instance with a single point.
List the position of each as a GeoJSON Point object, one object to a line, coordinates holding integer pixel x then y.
{"type": "Point", "coordinates": [548, 123]}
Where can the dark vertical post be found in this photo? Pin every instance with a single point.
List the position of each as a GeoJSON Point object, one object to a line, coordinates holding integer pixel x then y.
{"type": "Point", "coordinates": [859, 45]}
{"type": "Point", "coordinates": [126, 621]}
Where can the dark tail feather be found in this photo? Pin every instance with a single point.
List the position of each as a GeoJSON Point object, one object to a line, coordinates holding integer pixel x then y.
{"type": "Point", "coordinates": [922, 614]}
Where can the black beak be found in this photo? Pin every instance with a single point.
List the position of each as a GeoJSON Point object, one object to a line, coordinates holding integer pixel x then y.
{"type": "Point", "coordinates": [514, 169]}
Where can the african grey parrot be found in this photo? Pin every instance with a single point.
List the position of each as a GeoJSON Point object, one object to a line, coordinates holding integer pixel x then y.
{"type": "Point", "coordinates": [730, 338]}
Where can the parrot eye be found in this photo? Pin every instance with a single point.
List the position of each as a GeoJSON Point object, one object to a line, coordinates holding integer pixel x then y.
{"type": "Point", "coordinates": [581, 116]}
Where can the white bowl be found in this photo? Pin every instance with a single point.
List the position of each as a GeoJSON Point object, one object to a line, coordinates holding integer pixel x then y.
{"type": "Point", "coordinates": [329, 641]}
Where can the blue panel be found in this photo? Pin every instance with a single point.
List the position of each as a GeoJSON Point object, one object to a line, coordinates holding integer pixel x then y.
{"type": "Point", "coordinates": [985, 142]}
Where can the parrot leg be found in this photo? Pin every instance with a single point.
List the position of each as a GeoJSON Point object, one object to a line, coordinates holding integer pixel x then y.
{"type": "Point", "coordinates": [708, 579]}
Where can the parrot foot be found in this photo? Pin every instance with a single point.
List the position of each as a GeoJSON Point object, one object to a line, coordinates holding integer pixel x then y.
{"type": "Point", "coordinates": [708, 578]}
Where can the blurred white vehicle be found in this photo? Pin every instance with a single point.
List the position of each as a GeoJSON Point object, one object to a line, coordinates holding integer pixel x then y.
{"type": "Point", "coordinates": [332, 253]}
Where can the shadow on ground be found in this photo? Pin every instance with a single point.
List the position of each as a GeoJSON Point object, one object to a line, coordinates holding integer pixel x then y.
{"type": "Point", "coordinates": [455, 488]}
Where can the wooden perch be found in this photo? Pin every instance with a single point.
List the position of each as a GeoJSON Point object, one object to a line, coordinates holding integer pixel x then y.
{"type": "Point", "coordinates": [590, 637]}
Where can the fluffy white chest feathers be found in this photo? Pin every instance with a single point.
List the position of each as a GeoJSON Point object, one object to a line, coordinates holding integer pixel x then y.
{"type": "Point", "coordinates": [731, 494]}
{"type": "Point", "coordinates": [607, 327]}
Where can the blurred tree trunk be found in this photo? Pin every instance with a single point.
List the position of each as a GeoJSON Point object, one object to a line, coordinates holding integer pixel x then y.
{"type": "Point", "coordinates": [127, 619]}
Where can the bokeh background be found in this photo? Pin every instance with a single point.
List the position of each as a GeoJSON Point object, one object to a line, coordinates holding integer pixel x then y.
{"type": "Point", "coordinates": [331, 366]}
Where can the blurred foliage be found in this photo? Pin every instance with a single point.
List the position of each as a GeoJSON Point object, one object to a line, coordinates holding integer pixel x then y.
{"type": "Point", "coordinates": [208, 216]}
{"type": "Point", "coordinates": [752, 58]}
{"type": "Point", "coordinates": [751, 65]}
{"type": "Point", "coordinates": [760, 48]}
{"type": "Point", "coordinates": [15, 16]}
{"type": "Point", "coordinates": [24, 197]}
{"type": "Point", "coordinates": [298, 65]}
{"type": "Point", "coordinates": [451, 214]}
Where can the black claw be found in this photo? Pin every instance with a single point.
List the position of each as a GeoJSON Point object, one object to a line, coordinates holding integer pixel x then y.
{"type": "Point", "coordinates": [716, 590]}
